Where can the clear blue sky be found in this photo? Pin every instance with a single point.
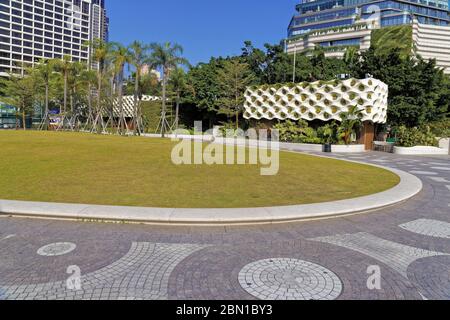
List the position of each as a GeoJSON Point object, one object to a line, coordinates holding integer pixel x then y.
{"type": "Point", "coordinates": [204, 28]}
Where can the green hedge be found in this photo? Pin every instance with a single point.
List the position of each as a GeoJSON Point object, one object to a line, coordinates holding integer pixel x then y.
{"type": "Point", "coordinates": [412, 137]}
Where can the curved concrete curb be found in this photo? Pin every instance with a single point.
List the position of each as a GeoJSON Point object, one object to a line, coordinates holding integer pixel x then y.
{"type": "Point", "coordinates": [406, 189]}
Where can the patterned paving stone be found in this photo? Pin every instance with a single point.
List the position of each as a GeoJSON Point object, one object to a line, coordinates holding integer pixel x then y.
{"type": "Point", "coordinates": [9, 236]}
{"type": "Point", "coordinates": [289, 279]}
{"type": "Point", "coordinates": [438, 164]}
{"type": "Point", "coordinates": [424, 173]}
{"type": "Point", "coordinates": [143, 273]}
{"type": "Point", "coordinates": [432, 277]}
{"type": "Point", "coordinates": [427, 227]}
{"type": "Point", "coordinates": [56, 249]}
{"type": "Point", "coordinates": [439, 179]}
{"type": "Point", "coordinates": [395, 255]}
{"type": "Point", "coordinates": [159, 262]}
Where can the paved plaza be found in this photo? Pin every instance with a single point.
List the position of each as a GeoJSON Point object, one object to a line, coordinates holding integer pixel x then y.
{"type": "Point", "coordinates": [408, 244]}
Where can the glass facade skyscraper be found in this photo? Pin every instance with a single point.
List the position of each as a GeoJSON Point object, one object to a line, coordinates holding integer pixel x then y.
{"type": "Point", "coordinates": [31, 30]}
{"type": "Point", "coordinates": [336, 25]}
{"type": "Point", "coordinates": [321, 14]}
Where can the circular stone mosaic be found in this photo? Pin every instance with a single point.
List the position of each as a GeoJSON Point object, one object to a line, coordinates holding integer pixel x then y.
{"type": "Point", "coordinates": [56, 249]}
{"type": "Point", "coordinates": [289, 279]}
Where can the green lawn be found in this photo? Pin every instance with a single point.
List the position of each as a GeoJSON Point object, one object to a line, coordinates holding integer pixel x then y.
{"type": "Point", "coordinates": [133, 171]}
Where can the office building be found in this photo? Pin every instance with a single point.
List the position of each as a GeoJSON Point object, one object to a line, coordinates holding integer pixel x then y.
{"type": "Point", "coordinates": [336, 25]}
{"type": "Point", "coordinates": [31, 30]}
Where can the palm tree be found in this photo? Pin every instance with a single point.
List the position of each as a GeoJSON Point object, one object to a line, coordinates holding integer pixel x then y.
{"type": "Point", "coordinates": [177, 84]}
{"type": "Point", "coordinates": [88, 78]}
{"type": "Point", "coordinates": [139, 58]}
{"type": "Point", "coordinates": [350, 121]}
{"type": "Point", "coordinates": [120, 56]}
{"type": "Point", "coordinates": [64, 67]}
{"type": "Point", "coordinates": [44, 70]}
{"type": "Point", "coordinates": [101, 51]}
{"type": "Point", "coordinates": [76, 83]}
{"type": "Point", "coordinates": [351, 57]}
{"type": "Point", "coordinates": [167, 57]}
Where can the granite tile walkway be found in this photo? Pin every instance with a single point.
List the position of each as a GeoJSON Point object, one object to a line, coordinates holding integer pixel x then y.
{"type": "Point", "coordinates": [400, 252]}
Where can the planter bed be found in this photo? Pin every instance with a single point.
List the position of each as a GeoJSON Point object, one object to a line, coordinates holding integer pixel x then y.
{"type": "Point", "coordinates": [420, 150]}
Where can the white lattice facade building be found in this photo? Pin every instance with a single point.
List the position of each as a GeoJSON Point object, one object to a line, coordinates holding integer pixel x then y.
{"type": "Point", "coordinates": [318, 100]}
{"type": "Point", "coordinates": [128, 104]}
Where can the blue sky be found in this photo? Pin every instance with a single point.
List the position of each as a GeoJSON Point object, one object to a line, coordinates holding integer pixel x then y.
{"type": "Point", "coordinates": [204, 28]}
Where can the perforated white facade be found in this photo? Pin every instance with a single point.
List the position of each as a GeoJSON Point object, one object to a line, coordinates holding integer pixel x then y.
{"type": "Point", "coordinates": [128, 105]}
{"type": "Point", "coordinates": [318, 100]}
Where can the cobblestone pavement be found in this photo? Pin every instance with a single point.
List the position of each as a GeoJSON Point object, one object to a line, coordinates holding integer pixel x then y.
{"type": "Point", "coordinates": [407, 244]}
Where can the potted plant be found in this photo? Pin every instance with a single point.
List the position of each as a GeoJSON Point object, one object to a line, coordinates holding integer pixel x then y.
{"type": "Point", "coordinates": [327, 133]}
{"type": "Point", "coordinates": [350, 121]}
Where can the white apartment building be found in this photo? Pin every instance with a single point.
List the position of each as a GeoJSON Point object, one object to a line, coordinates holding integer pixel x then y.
{"type": "Point", "coordinates": [31, 30]}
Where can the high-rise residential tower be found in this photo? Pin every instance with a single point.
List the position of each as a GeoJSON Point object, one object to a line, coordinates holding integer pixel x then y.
{"type": "Point", "coordinates": [31, 30]}
{"type": "Point", "coordinates": [336, 25]}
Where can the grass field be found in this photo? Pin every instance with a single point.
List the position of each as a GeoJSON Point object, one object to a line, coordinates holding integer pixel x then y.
{"type": "Point", "coordinates": [134, 171]}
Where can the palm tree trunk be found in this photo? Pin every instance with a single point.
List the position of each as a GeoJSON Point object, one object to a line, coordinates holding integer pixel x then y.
{"type": "Point", "coordinates": [46, 106]}
{"type": "Point", "coordinates": [163, 113]}
{"type": "Point", "coordinates": [136, 105]}
{"type": "Point", "coordinates": [24, 117]}
{"type": "Point", "coordinates": [177, 112]}
{"type": "Point", "coordinates": [90, 111]}
{"type": "Point", "coordinates": [236, 99]}
{"type": "Point", "coordinates": [99, 115]}
{"type": "Point", "coordinates": [71, 110]}
{"type": "Point", "coordinates": [71, 103]}
{"type": "Point", "coordinates": [121, 123]}
{"type": "Point", "coordinates": [111, 105]}
{"type": "Point", "coordinates": [65, 92]}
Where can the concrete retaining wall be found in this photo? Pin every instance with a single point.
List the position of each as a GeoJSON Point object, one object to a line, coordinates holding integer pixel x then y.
{"type": "Point", "coordinates": [420, 150]}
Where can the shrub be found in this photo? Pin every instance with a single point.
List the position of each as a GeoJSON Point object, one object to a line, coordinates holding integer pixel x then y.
{"type": "Point", "coordinates": [411, 137]}
{"type": "Point", "coordinates": [299, 134]}
{"type": "Point", "coordinates": [309, 136]}
{"type": "Point", "coordinates": [291, 131]}
{"type": "Point", "coordinates": [227, 126]}
{"type": "Point", "coordinates": [441, 128]}
{"type": "Point", "coordinates": [328, 133]}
